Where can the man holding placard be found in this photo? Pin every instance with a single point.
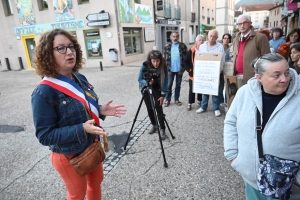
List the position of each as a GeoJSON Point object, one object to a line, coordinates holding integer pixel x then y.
{"type": "Point", "coordinates": [207, 72]}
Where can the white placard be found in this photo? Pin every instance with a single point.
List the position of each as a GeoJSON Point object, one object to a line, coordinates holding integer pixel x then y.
{"type": "Point", "coordinates": [228, 68]}
{"type": "Point", "coordinates": [206, 77]}
{"type": "Point", "coordinates": [149, 34]}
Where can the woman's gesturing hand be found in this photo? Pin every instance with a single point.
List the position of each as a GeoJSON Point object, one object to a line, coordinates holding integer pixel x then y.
{"type": "Point", "coordinates": [89, 127]}
{"type": "Point", "coordinates": [113, 110]}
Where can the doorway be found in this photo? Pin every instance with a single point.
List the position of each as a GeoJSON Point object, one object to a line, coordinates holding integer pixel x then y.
{"type": "Point", "coordinates": [29, 47]}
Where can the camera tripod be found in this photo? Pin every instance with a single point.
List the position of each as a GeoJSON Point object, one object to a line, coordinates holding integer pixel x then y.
{"type": "Point", "coordinates": [149, 90]}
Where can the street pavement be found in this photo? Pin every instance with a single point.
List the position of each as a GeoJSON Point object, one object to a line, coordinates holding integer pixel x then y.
{"type": "Point", "coordinates": [197, 168]}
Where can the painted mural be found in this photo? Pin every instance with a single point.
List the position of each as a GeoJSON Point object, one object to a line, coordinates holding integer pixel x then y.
{"type": "Point", "coordinates": [125, 9]}
{"type": "Point", "coordinates": [25, 12]}
{"type": "Point", "coordinates": [143, 14]}
{"type": "Point", "coordinates": [63, 10]}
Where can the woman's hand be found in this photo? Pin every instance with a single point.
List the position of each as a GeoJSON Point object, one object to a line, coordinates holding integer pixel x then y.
{"type": "Point", "coordinates": [161, 100]}
{"type": "Point", "coordinates": [116, 110]}
{"type": "Point", "coordinates": [89, 127]}
{"type": "Point", "coordinates": [151, 82]}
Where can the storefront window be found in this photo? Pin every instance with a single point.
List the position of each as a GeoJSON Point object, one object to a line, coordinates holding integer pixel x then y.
{"type": "Point", "coordinates": [132, 41]}
{"type": "Point", "coordinates": [93, 44]}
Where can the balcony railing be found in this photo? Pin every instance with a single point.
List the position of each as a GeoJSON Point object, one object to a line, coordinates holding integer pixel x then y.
{"type": "Point", "coordinates": [193, 17]}
{"type": "Point", "coordinates": [177, 12]}
{"type": "Point", "coordinates": [167, 11]}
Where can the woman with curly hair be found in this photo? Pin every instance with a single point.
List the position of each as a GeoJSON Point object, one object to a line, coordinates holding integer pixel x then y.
{"type": "Point", "coordinates": [291, 38]}
{"type": "Point", "coordinates": [66, 111]}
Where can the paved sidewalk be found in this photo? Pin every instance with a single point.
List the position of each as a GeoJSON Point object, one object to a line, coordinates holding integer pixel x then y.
{"type": "Point", "coordinates": [196, 169]}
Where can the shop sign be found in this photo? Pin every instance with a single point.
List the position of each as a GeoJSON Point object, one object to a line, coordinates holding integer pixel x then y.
{"type": "Point", "coordinates": [292, 6]}
{"type": "Point", "coordinates": [160, 5]}
{"type": "Point", "coordinates": [71, 25]}
{"type": "Point", "coordinates": [98, 16]}
{"type": "Point", "coordinates": [98, 23]}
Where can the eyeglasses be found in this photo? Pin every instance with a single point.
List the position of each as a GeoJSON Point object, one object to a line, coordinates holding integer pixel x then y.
{"type": "Point", "coordinates": [225, 38]}
{"type": "Point", "coordinates": [63, 49]}
{"type": "Point", "coordinates": [244, 23]}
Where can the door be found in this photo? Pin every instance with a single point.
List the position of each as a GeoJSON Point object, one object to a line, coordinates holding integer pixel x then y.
{"type": "Point", "coordinates": [29, 47]}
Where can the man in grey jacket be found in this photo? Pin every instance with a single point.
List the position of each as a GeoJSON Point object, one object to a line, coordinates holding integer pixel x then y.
{"type": "Point", "coordinates": [275, 91]}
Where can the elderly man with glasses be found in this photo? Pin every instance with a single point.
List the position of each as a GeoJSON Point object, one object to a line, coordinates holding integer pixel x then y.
{"type": "Point", "coordinates": [247, 46]}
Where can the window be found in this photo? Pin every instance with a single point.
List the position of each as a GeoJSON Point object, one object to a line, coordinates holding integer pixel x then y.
{"type": "Point", "coordinates": [132, 40]}
{"type": "Point", "coordinates": [137, 1]}
{"type": "Point", "coordinates": [207, 12]}
{"type": "Point", "coordinates": [83, 1]}
{"type": "Point", "coordinates": [7, 7]}
{"type": "Point", "coordinates": [42, 5]}
{"type": "Point", "coordinates": [191, 34]}
{"type": "Point", "coordinates": [203, 16]}
{"type": "Point", "coordinates": [276, 23]}
{"type": "Point", "coordinates": [212, 14]}
{"type": "Point", "coordinates": [93, 44]}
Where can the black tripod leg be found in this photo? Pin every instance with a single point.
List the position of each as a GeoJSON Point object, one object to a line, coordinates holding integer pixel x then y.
{"type": "Point", "coordinates": [137, 112]}
{"type": "Point", "coordinates": [164, 116]}
{"type": "Point", "coordinates": [156, 122]}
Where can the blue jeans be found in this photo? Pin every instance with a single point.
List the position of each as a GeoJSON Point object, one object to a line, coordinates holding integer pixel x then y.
{"type": "Point", "coordinates": [177, 87]}
{"type": "Point", "coordinates": [215, 101]}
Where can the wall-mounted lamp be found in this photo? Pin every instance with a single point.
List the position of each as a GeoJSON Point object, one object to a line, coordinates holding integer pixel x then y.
{"type": "Point", "coordinates": [18, 37]}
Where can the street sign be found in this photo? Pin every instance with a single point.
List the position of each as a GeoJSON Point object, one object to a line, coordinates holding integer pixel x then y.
{"type": "Point", "coordinates": [98, 23]}
{"type": "Point", "coordinates": [98, 16]}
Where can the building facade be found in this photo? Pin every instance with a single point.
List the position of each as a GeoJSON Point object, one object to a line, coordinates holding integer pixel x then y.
{"type": "Point", "coordinates": [113, 33]}
{"type": "Point", "coordinates": [225, 19]}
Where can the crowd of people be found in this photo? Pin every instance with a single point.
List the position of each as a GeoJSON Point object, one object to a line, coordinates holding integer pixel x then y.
{"type": "Point", "coordinates": [266, 65]}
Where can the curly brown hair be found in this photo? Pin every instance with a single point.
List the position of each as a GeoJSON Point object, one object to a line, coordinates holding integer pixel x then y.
{"type": "Point", "coordinates": [44, 60]}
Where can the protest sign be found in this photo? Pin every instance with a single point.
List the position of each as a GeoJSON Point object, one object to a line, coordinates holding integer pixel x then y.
{"type": "Point", "coordinates": [207, 73]}
{"type": "Point", "coordinates": [228, 68]}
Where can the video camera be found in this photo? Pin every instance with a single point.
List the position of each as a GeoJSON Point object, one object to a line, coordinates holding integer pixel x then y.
{"type": "Point", "coordinates": [149, 73]}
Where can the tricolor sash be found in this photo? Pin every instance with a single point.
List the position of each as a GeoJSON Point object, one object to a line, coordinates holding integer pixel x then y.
{"type": "Point", "coordinates": [72, 89]}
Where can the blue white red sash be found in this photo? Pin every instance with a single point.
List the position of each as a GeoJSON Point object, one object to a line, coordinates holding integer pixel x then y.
{"type": "Point", "coordinates": [72, 89]}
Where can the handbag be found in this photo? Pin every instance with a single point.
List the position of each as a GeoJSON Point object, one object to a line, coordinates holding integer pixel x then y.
{"type": "Point", "coordinates": [89, 159]}
{"type": "Point", "coordinates": [276, 176]}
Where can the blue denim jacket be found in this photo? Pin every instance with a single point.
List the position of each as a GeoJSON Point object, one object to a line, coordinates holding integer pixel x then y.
{"type": "Point", "coordinates": [58, 119]}
{"type": "Point", "coordinates": [143, 83]}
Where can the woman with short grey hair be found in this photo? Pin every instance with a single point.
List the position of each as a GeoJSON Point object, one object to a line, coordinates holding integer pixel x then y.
{"type": "Point", "coordinates": [189, 65]}
{"type": "Point", "coordinates": [274, 92]}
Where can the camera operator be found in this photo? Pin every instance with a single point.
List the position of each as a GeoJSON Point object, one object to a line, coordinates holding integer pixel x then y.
{"type": "Point", "coordinates": [154, 75]}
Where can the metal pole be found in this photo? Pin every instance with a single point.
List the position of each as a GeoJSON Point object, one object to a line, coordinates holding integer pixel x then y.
{"type": "Point", "coordinates": [101, 68]}
{"type": "Point", "coordinates": [20, 63]}
{"type": "Point", "coordinates": [7, 64]}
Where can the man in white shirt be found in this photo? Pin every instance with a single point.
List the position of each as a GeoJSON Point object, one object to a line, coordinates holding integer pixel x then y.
{"type": "Point", "coordinates": [213, 46]}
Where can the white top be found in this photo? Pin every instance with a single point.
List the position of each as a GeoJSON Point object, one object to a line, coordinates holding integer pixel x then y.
{"type": "Point", "coordinates": [217, 48]}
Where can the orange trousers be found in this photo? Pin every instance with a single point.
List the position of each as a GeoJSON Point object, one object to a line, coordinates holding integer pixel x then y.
{"type": "Point", "coordinates": [78, 186]}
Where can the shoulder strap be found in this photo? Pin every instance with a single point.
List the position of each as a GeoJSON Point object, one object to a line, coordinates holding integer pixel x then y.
{"type": "Point", "coordinates": [259, 134]}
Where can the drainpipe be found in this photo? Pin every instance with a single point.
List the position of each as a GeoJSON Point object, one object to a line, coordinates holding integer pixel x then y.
{"type": "Point", "coordinates": [199, 16]}
{"type": "Point", "coordinates": [118, 29]}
